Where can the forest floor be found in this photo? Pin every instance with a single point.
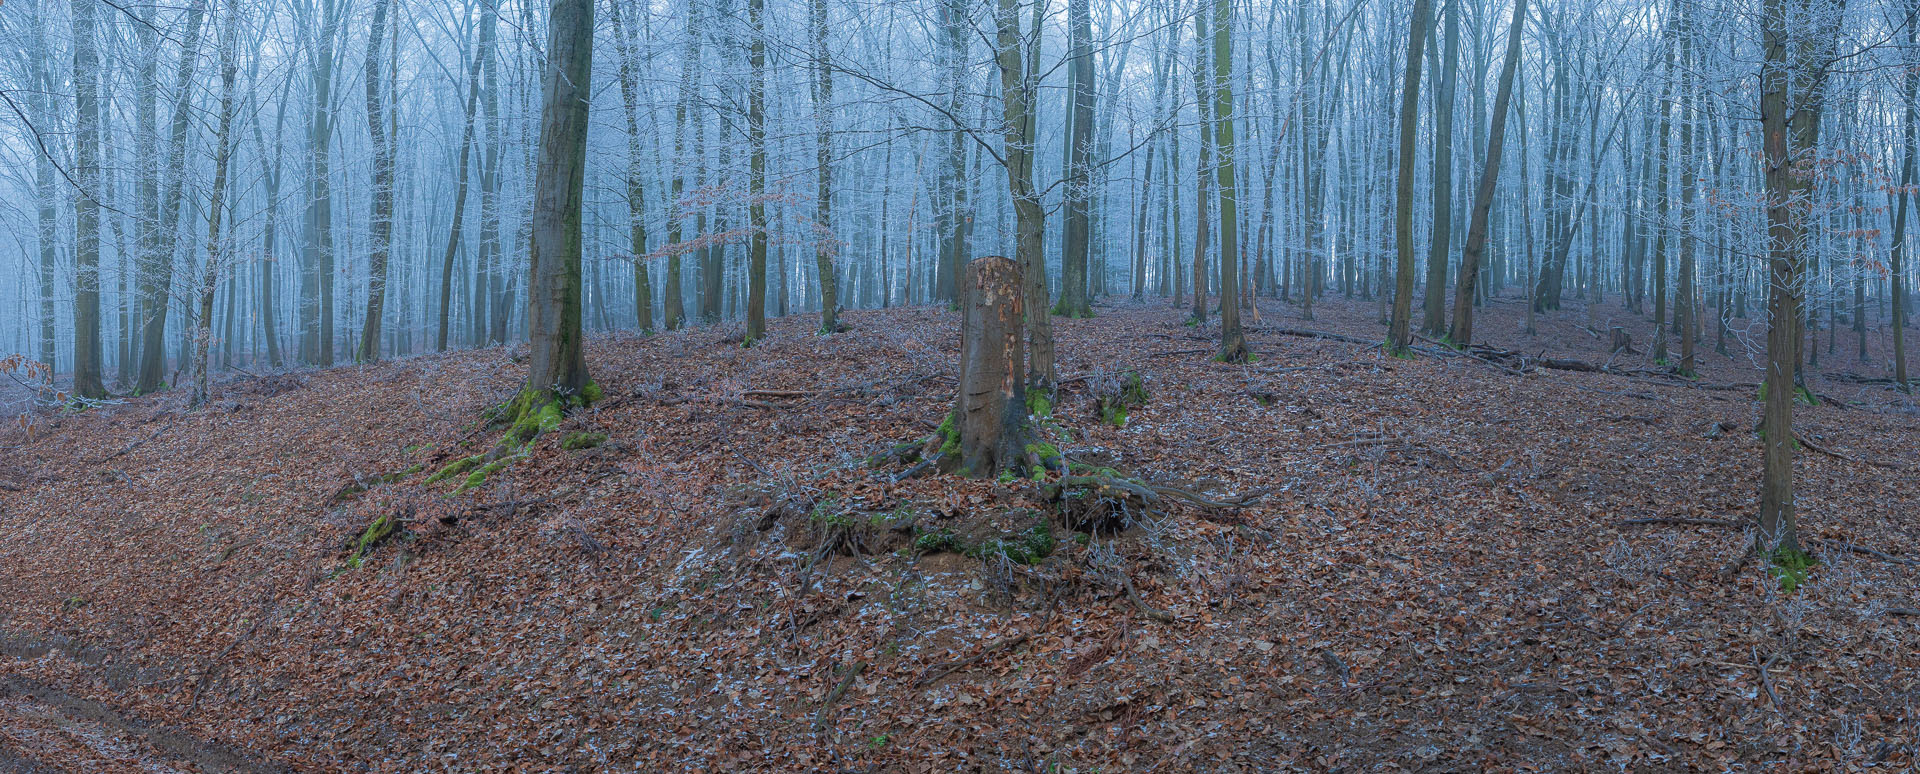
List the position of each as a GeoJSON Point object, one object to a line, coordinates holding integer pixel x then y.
{"type": "Point", "coordinates": [1418, 564]}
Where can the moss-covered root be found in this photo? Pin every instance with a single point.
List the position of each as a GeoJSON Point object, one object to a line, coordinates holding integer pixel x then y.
{"type": "Point", "coordinates": [456, 468]}
{"type": "Point", "coordinates": [376, 533]}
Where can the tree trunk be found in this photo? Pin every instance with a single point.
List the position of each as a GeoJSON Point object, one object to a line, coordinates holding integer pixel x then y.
{"type": "Point", "coordinates": [988, 431]}
{"type": "Point", "coordinates": [167, 238]}
{"type": "Point", "coordinates": [222, 153]}
{"type": "Point", "coordinates": [1910, 134]}
{"type": "Point", "coordinates": [1203, 171]}
{"type": "Point", "coordinates": [1476, 246]}
{"type": "Point", "coordinates": [1233, 341]}
{"type": "Point", "coordinates": [1796, 60]}
{"type": "Point", "coordinates": [757, 175]}
{"type": "Point", "coordinates": [557, 367]}
{"type": "Point", "coordinates": [488, 17]}
{"type": "Point", "coordinates": [1076, 252]}
{"type": "Point", "coordinates": [381, 237]}
{"type": "Point", "coordinates": [1016, 93]}
{"type": "Point", "coordinates": [1401, 334]}
{"type": "Point", "coordinates": [1435, 321]}
{"type": "Point", "coordinates": [87, 381]}
{"type": "Point", "coordinates": [824, 241]}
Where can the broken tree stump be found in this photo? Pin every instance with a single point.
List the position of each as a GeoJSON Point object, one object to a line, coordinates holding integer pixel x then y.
{"type": "Point", "coordinates": [988, 431]}
{"type": "Point", "coordinates": [1621, 341]}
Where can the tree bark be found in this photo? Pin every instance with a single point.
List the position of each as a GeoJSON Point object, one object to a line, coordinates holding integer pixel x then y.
{"type": "Point", "coordinates": [1476, 246]}
{"type": "Point", "coordinates": [1795, 64]}
{"type": "Point", "coordinates": [1435, 304]}
{"type": "Point", "coordinates": [557, 367]}
{"type": "Point", "coordinates": [1400, 334]}
{"type": "Point", "coordinates": [988, 430]}
{"type": "Point", "coordinates": [380, 238]}
{"type": "Point", "coordinates": [757, 175]}
{"type": "Point", "coordinates": [222, 154]}
{"type": "Point", "coordinates": [488, 17]}
{"type": "Point", "coordinates": [87, 382]}
{"type": "Point", "coordinates": [824, 241]}
{"type": "Point", "coordinates": [1075, 253]}
{"type": "Point", "coordinates": [1233, 341]}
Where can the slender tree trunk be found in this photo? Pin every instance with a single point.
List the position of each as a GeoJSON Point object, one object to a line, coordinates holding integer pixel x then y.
{"type": "Point", "coordinates": [1400, 334]}
{"type": "Point", "coordinates": [757, 175]}
{"type": "Point", "coordinates": [824, 244]}
{"type": "Point", "coordinates": [1076, 252]}
{"type": "Point", "coordinates": [1792, 85]}
{"type": "Point", "coordinates": [1435, 320]}
{"type": "Point", "coordinates": [488, 21]}
{"type": "Point", "coordinates": [1203, 171]}
{"type": "Point", "coordinates": [1896, 258]}
{"type": "Point", "coordinates": [168, 237]}
{"type": "Point", "coordinates": [1462, 334]}
{"type": "Point", "coordinates": [1233, 341]}
{"type": "Point", "coordinates": [381, 236]}
{"type": "Point", "coordinates": [222, 153]}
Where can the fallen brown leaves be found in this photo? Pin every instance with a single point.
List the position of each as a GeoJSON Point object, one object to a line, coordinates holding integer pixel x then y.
{"type": "Point", "coordinates": [1436, 574]}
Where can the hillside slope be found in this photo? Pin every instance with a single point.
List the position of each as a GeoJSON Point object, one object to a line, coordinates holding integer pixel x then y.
{"type": "Point", "coordinates": [1424, 564]}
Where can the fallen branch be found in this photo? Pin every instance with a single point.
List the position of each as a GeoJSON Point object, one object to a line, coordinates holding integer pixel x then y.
{"type": "Point", "coordinates": [825, 714]}
{"type": "Point", "coordinates": [1151, 612]}
{"type": "Point", "coordinates": [1773, 699]}
{"type": "Point", "coordinates": [934, 673]}
{"type": "Point", "coordinates": [1902, 611]}
{"type": "Point", "coordinates": [136, 444]}
{"type": "Point", "coordinates": [1839, 455]}
{"type": "Point", "coordinates": [1687, 521]}
{"type": "Point", "coordinates": [1863, 551]}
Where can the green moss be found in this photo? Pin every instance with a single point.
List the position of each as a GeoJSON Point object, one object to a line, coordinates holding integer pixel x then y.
{"type": "Point", "coordinates": [578, 441]}
{"type": "Point", "coordinates": [478, 477]}
{"type": "Point", "coordinates": [1790, 567]}
{"type": "Point", "coordinates": [1039, 405]}
{"type": "Point", "coordinates": [592, 393]}
{"type": "Point", "coordinates": [1048, 454]}
{"type": "Point", "coordinates": [935, 541]}
{"type": "Point", "coordinates": [950, 436]}
{"type": "Point", "coordinates": [1029, 547]}
{"type": "Point", "coordinates": [375, 533]}
{"type": "Point", "coordinates": [455, 468]}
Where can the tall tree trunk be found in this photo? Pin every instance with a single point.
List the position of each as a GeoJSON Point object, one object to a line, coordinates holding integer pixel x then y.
{"type": "Point", "coordinates": [1017, 79]}
{"type": "Point", "coordinates": [823, 251]}
{"type": "Point", "coordinates": [380, 240]}
{"type": "Point", "coordinates": [1400, 334]}
{"type": "Point", "coordinates": [1076, 252]}
{"type": "Point", "coordinates": [153, 347]}
{"type": "Point", "coordinates": [1686, 316]}
{"type": "Point", "coordinates": [222, 153]}
{"type": "Point", "coordinates": [1792, 86]}
{"type": "Point", "coordinates": [557, 368]}
{"type": "Point", "coordinates": [1896, 258]}
{"type": "Point", "coordinates": [45, 194]}
{"type": "Point", "coordinates": [1233, 341]}
{"type": "Point", "coordinates": [1203, 171]}
{"type": "Point", "coordinates": [489, 16]}
{"type": "Point", "coordinates": [87, 382]}
{"type": "Point", "coordinates": [757, 175]}
{"type": "Point", "coordinates": [316, 286]}
{"type": "Point", "coordinates": [1476, 246]}
{"type": "Point", "coordinates": [1435, 321]}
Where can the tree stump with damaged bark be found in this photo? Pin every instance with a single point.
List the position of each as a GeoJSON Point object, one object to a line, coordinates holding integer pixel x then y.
{"type": "Point", "coordinates": [1621, 340]}
{"type": "Point", "coordinates": [988, 430]}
